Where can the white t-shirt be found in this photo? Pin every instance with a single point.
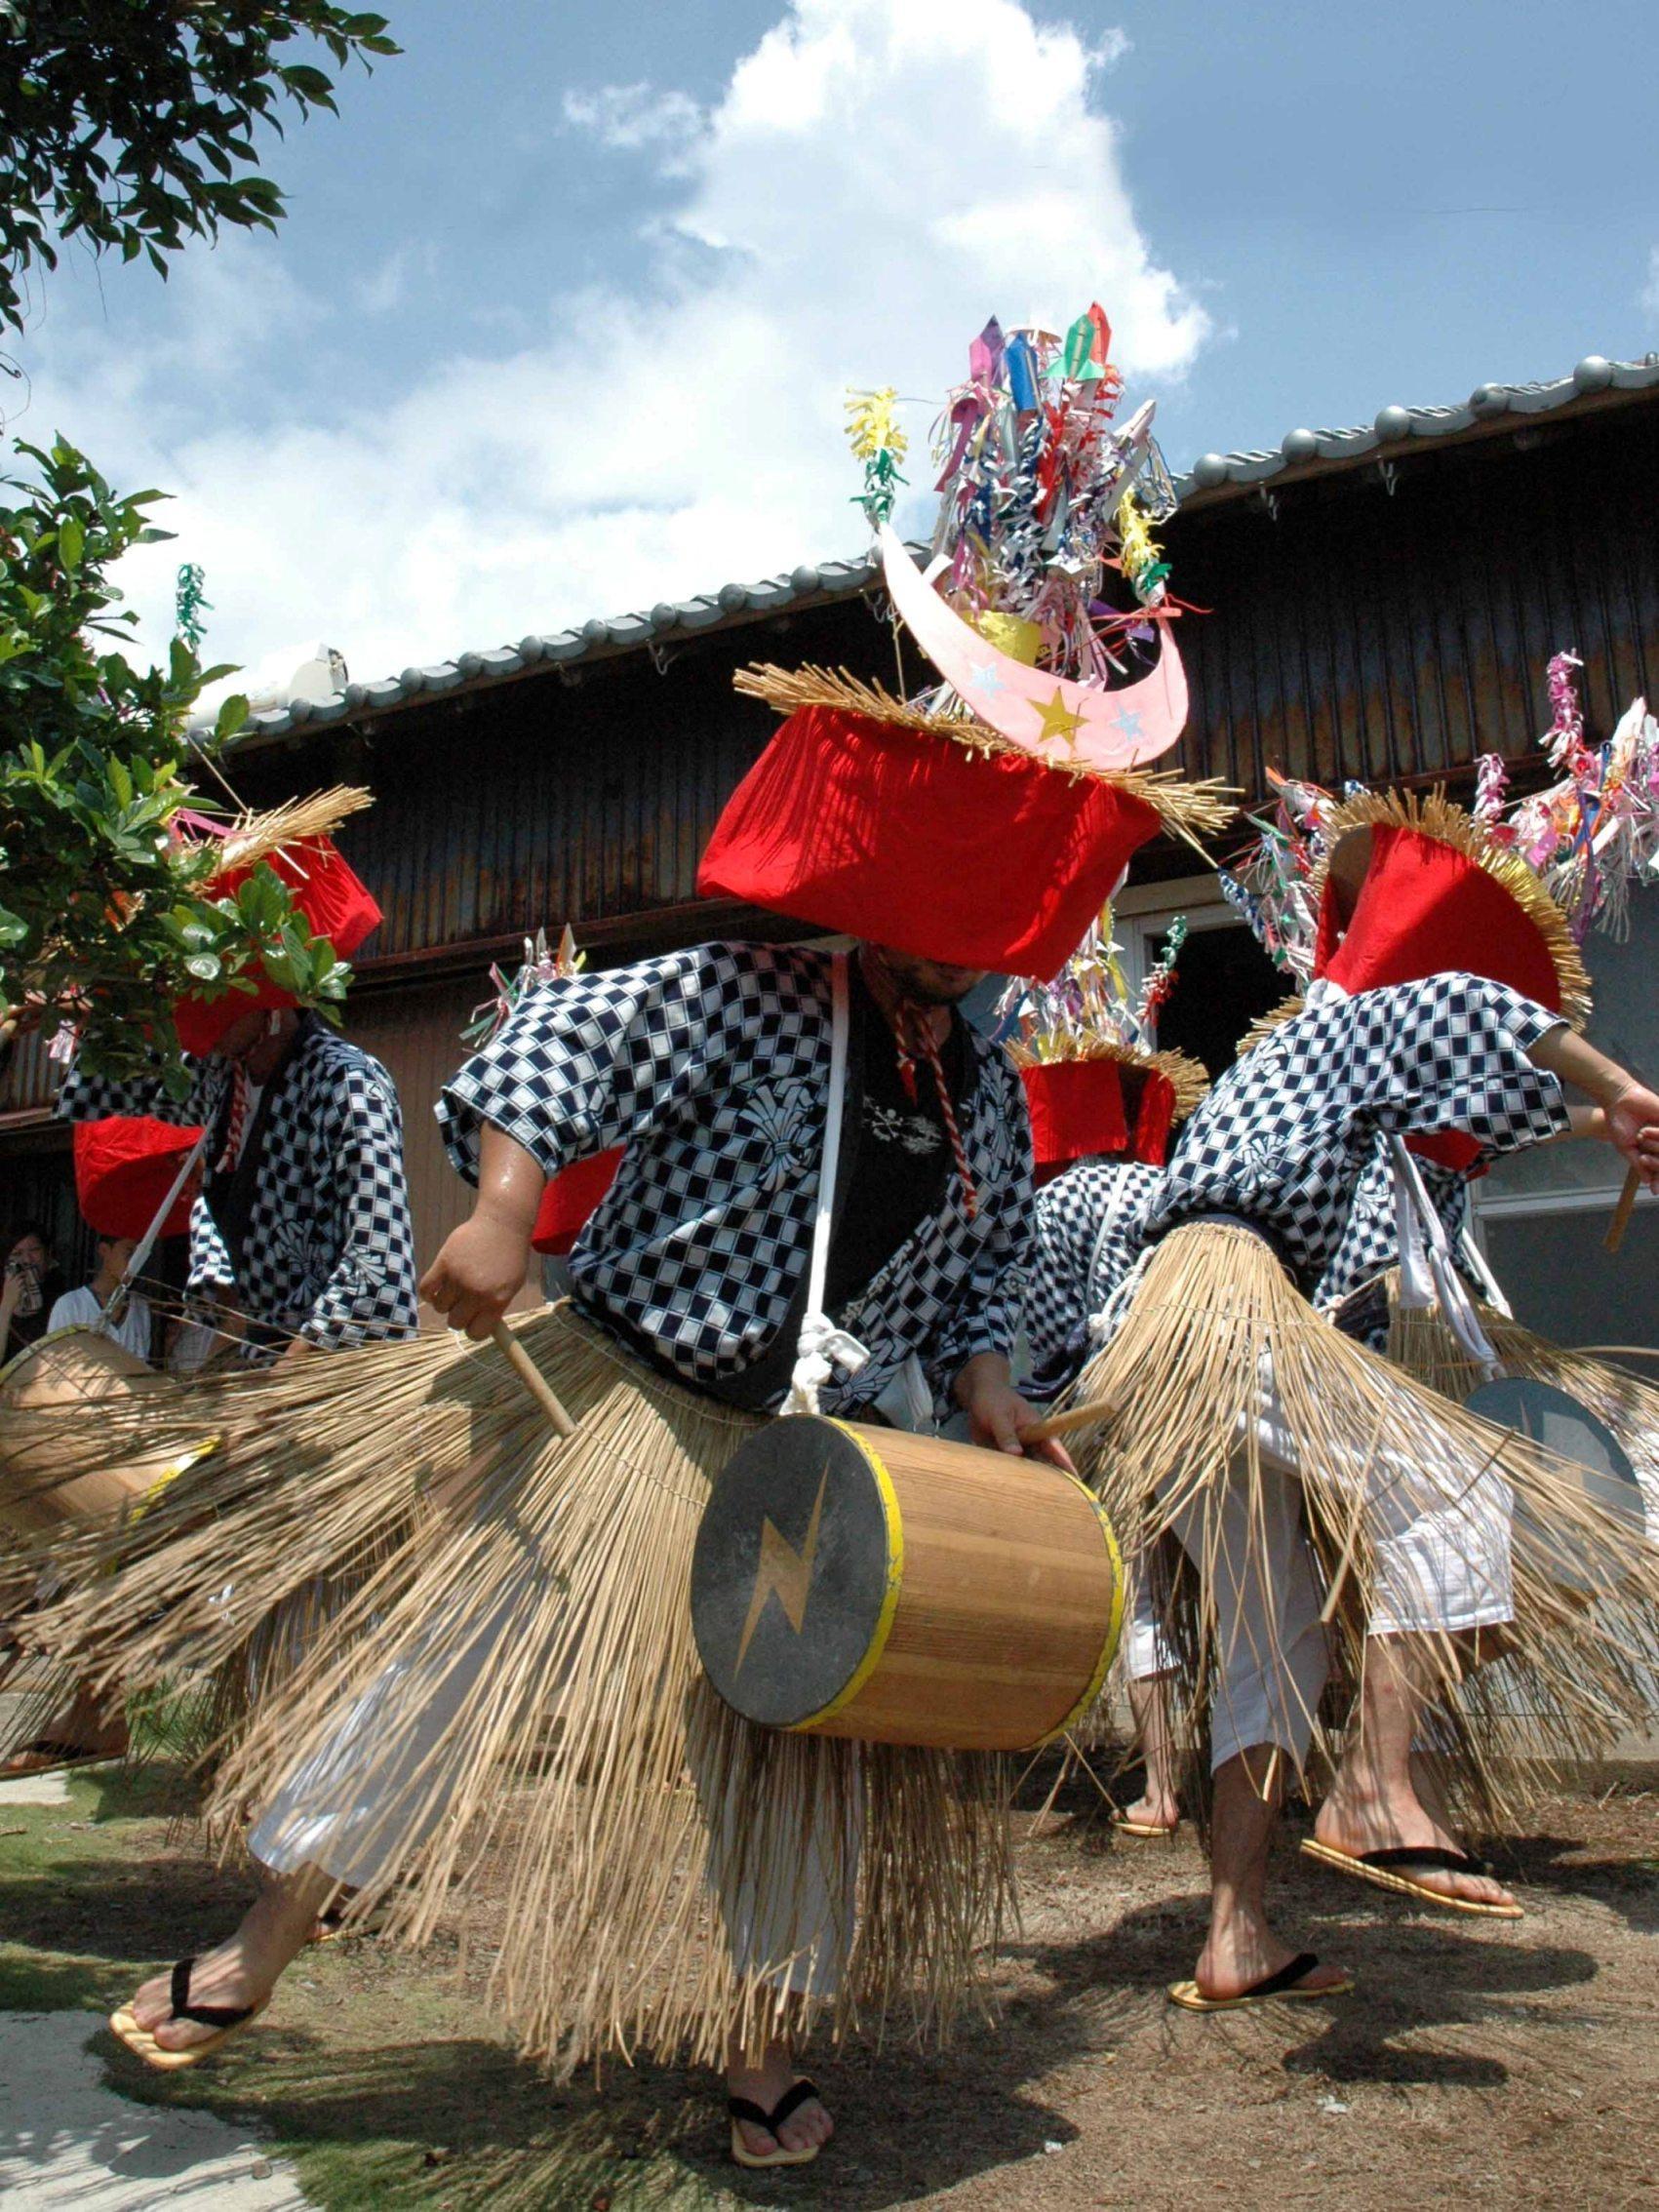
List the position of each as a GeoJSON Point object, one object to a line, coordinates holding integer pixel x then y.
{"type": "Point", "coordinates": [80, 1309]}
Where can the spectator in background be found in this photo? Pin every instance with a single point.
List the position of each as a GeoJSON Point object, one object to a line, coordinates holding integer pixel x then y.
{"type": "Point", "coordinates": [31, 1284]}
{"type": "Point", "coordinates": [86, 1308]}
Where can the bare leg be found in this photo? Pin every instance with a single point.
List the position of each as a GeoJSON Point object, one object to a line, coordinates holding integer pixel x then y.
{"type": "Point", "coordinates": [763, 2076]}
{"type": "Point", "coordinates": [1158, 1806]}
{"type": "Point", "coordinates": [1373, 1803]}
{"type": "Point", "coordinates": [1242, 1949]}
{"type": "Point", "coordinates": [246, 1966]}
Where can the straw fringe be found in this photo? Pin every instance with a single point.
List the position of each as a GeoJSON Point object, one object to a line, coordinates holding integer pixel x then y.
{"type": "Point", "coordinates": [1434, 815]}
{"type": "Point", "coordinates": [1190, 810]}
{"type": "Point", "coordinates": [417, 1489]}
{"type": "Point", "coordinates": [1270, 1023]}
{"type": "Point", "coordinates": [1213, 1316]}
{"type": "Point", "coordinates": [254, 837]}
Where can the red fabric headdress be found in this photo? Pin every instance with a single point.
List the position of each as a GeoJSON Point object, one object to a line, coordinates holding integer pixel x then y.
{"type": "Point", "coordinates": [337, 905]}
{"type": "Point", "coordinates": [1412, 889]}
{"type": "Point", "coordinates": [1115, 1103]}
{"type": "Point", "coordinates": [975, 857]}
{"type": "Point", "coordinates": [124, 1168]}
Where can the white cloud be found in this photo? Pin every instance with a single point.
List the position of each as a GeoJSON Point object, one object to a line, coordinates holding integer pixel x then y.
{"type": "Point", "coordinates": [634, 115]}
{"type": "Point", "coordinates": [1109, 48]}
{"type": "Point", "coordinates": [1650, 290]}
{"type": "Point", "coordinates": [879, 177]}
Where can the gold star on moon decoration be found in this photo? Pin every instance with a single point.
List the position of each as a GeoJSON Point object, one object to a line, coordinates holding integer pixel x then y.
{"type": "Point", "coordinates": [1059, 723]}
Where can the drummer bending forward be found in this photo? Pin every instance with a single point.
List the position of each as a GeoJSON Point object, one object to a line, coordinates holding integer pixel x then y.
{"type": "Point", "coordinates": [711, 1066]}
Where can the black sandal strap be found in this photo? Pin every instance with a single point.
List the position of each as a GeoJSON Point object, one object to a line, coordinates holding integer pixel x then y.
{"type": "Point", "coordinates": [1403, 1857]}
{"type": "Point", "coordinates": [791, 2101]}
{"type": "Point", "coordinates": [204, 2015]}
{"type": "Point", "coordinates": [757, 2116]}
{"type": "Point", "coordinates": [1286, 1977]}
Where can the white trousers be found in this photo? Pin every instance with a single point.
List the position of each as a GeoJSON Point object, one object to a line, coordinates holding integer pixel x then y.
{"type": "Point", "coordinates": [1442, 1564]}
{"type": "Point", "coordinates": [1271, 1656]}
{"type": "Point", "coordinates": [344, 1810]}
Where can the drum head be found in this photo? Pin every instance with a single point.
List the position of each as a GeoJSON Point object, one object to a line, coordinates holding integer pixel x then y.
{"type": "Point", "coordinates": [1552, 1418]}
{"type": "Point", "coordinates": [795, 1576]}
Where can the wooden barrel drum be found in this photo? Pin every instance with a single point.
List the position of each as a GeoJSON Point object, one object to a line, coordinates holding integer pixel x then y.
{"type": "Point", "coordinates": [49, 1395]}
{"type": "Point", "coordinates": [853, 1581]}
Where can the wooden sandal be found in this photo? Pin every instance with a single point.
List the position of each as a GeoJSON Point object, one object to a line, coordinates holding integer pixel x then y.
{"type": "Point", "coordinates": [1285, 1986]}
{"type": "Point", "coordinates": [47, 1756]}
{"type": "Point", "coordinates": [745, 2109]}
{"type": "Point", "coordinates": [1392, 1869]}
{"type": "Point", "coordinates": [227, 2019]}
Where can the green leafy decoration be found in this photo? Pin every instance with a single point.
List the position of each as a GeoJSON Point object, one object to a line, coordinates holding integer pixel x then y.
{"type": "Point", "coordinates": [108, 916]}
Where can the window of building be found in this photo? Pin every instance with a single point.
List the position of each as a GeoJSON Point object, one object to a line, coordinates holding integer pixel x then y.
{"type": "Point", "coordinates": [1224, 980]}
{"type": "Point", "coordinates": [1542, 1215]}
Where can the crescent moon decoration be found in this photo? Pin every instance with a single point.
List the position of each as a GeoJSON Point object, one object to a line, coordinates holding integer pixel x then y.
{"type": "Point", "coordinates": [1045, 715]}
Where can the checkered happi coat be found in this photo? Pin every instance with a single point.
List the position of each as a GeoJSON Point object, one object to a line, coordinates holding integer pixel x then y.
{"type": "Point", "coordinates": [711, 1066]}
{"type": "Point", "coordinates": [1089, 1225]}
{"type": "Point", "coordinates": [1286, 1135]}
{"type": "Point", "coordinates": [329, 1253]}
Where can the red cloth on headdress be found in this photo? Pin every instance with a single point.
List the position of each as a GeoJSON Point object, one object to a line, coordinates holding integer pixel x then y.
{"type": "Point", "coordinates": [1080, 1108]}
{"type": "Point", "coordinates": [1426, 909]}
{"type": "Point", "coordinates": [337, 905]}
{"type": "Point", "coordinates": [909, 839]}
{"type": "Point", "coordinates": [124, 1168]}
{"type": "Point", "coordinates": [570, 1198]}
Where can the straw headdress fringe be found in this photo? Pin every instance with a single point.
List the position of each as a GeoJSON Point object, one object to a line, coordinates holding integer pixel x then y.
{"type": "Point", "coordinates": [1437, 817]}
{"type": "Point", "coordinates": [1213, 1333]}
{"type": "Point", "coordinates": [1267, 1024]}
{"type": "Point", "coordinates": [566, 1754]}
{"type": "Point", "coordinates": [254, 837]}
{"type": "Point", "coordinates": [1191, 809]}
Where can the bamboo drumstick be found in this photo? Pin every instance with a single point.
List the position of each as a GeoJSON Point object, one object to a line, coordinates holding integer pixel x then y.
{"type": "Point", "coordinates": [1062, 1424]}
{"type": "Point", "coordinates": [1620, 1222]}
{"type": "Point", "coordinates": [533, 1379]}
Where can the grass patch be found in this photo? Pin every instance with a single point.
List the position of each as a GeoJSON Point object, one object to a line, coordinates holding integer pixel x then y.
{"type": "Point", "coordinates": [375, 2072]}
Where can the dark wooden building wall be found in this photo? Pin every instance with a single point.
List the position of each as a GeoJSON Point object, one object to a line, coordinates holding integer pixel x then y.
{"type": "Point", "coordinates": [1355, 631]}
{"type": "Point", "coordinates": [1358, 632]}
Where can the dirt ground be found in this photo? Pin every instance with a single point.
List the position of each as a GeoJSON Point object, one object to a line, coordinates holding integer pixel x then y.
{"type": "Point", "coordinates": [1476, 2063]}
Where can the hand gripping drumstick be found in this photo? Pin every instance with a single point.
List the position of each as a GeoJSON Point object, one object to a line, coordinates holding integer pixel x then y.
{"type": "Point", "coordinates": [1620, 1222]}
{"type": "Point", "coordinates": [1075, 1417]}
{"type": "Point", "coordinates": [533, 1379]}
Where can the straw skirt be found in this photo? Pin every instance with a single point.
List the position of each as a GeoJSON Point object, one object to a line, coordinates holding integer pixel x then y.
{"type": "Point", "coordinates": [1227, 1385]}
{"type": "Point", "coordinates": [515, 1687]}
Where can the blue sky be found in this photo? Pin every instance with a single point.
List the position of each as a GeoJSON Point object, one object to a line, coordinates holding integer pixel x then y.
{"type": "Point", "coordinates": [562, 315]}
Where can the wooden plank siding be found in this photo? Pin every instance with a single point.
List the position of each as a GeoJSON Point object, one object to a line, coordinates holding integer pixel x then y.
{"type": "Point", "coordinates": [1356, 631]}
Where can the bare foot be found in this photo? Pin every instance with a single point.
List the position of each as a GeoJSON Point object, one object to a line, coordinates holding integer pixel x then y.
{"type": "Point", "coordinates": [1357, 1822]}
{"type": "Point", "coordinates": [247, 1968]}
{"type": "Point", "coordinates": [764, 2082]}
{"type": "Point", "coordinates": [1153, 1811]}
{"type": "Point", "coordinates": [224, 1976]}
{"type": "Point", "coordinates": [1247, 1953]}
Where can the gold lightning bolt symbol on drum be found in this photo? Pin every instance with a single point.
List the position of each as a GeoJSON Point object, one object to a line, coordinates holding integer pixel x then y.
{"type": "Point", "coordinates": [783, 1572]}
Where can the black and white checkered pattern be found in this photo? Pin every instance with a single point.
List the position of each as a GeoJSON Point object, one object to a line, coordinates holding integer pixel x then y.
{"type": "Point", "coordinates": [1090, 1222]}
{"type": "Point", "coordinates": [1370, 1243]}
{"type": "Point", "coordinates": [711, 1066]}
{"type": "Point", "coordinates": [328, 1252]}
{"type": "Point", "coordinates": [1286, 1135]}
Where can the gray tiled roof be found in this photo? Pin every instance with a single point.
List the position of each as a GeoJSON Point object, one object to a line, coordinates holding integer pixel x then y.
{"type": "Point", "coordinates": [1299, 450]}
